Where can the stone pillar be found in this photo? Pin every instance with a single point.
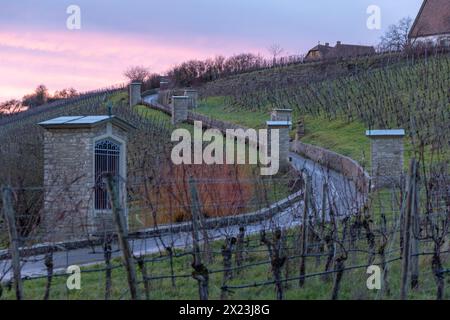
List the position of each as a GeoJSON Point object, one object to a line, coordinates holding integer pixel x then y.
{"type": "Point", "coordinates": [180, 105]}
{"type": "Point", "coordinates": [135, 93]}
{"type": "Point", "coordinates": [300, 132]}
{"type": "Point", "coordinates": [282, 115]}
{"type": "Point", "coordinates": [193, 95]}
{"type": "Point", "coordinates": [283, 128]}
{"type": "Point", "coordinates": [164, 97]}
{"type": "Point", "coordinates": [163, 85]}
{"type": "Point", "coordinates": [387, 157]}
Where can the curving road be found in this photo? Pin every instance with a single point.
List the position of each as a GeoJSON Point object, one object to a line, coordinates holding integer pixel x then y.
{"type": "Point", "coordinates": [342, 194]}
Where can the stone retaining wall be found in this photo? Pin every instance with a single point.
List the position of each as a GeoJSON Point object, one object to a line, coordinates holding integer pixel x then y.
{"type": "Point", "coordinates": [238, 220]}
{"type": "Point", "coordinates": [337, 162]}
{"type": "Point", "coordinates": [211, 223]}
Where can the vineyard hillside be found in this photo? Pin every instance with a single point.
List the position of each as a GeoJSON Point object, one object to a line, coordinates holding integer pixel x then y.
{"type": "Point", "coordinates": [410, 92]}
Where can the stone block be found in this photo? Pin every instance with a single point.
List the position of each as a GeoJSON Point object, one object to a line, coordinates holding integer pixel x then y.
{"type": "Point", "coordinates": [387, 154]}
{"type": "Point", "coordinates": [180, 105]}
{"type": "Point", "coordinates": [135, 93]}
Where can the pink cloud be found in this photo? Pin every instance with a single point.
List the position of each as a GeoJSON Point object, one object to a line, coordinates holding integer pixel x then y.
{"type": "Point", "coordinates": [91, 60]}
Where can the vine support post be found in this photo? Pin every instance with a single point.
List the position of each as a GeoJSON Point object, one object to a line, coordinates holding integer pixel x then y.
{"type": "Point", "coordinates": [415, 234]}
{"type": "Point", "coordinates": [122, 233]}
{"type": "Point", "coordinates": [107, 252]}
{"type": "Point", "coordinates": [227, 252]}
{"type": "Point", "coordinates": [200, 272]}
{"type": "Point", "coordinates": [143, 268]}
{"type": "Point", "coordinates": [48, 261]}
{"type": "Point", "coordinates": [14, 240]}
{"type": "Point", "coordinates": [239, 253]}
{"type": "Point", "coordinates": [304, 229]}
{"type": "Point", "coordinates": [406, 257]}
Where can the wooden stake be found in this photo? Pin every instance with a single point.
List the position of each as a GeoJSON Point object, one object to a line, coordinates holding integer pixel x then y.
{"type": "Point", "coordinates": [107, 251]}
{"type": "Point", "coordinates": [14, 241]}
{"type": "Point", "coordinates": [239, 254]}
{"type": "Point", "coordinates": [415, 240]}
{"type": "Point", "coordinates": [304, 230]}
{"type": "Point", "coordinates": [172, 272]}
{"type": "Point", "coordinates": [407, 230]}
{"type": "Point", "coordinates": [49, 265]}
{"type": "Point", "coordinates": [227, 252]}
{"type": "Point", "coordinates": [200, 272]}
{"type": "Point", "coordinates": [143, 267]}
{"type": "Point", "coordinates": [119, 219]}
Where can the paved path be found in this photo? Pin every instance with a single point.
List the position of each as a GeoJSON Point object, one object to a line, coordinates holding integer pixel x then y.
{"type": "Point", "coordinates": [341, 189]}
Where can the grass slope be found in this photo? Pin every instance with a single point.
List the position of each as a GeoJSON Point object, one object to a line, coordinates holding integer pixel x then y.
{"type": "Point", "coordinates": [337, 135]}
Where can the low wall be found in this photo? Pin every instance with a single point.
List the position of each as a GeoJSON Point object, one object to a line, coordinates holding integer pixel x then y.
{"type": "Point", "coordinates": [238, 220]}
{"type": "Point", "coordinates": [210, 223]}
{"type": "Point", "coordinates": [335, 161]}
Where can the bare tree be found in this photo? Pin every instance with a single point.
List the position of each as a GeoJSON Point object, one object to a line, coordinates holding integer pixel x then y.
{"type": "Point", "coordinates": [39, 97]}
{"type": "Point", "coordinates": [396, 37]}
{"type": "Point", "coordinates": [137, 73]}
{"type": "Point", "coordinates": [65, 94]}
{"type": "Point", "coordinates": [42, 94]}
{"type": "Point", "coordinates": [10, 107]}
{"type": "Point", "coordinates": [275, 50]}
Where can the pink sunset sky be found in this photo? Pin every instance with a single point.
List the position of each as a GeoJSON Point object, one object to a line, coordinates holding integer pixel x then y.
{"type": "Point", "coordinates": [37, 48]}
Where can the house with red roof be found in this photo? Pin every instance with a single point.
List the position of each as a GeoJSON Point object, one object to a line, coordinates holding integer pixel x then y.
{"type": "Point", "coordinates": [432, 24]}
{"type": "Point", "coordinates": [340, 50]}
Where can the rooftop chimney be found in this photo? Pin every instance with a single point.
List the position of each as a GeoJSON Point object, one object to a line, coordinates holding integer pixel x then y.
{"type": "Point", "coordinates": [338, 43]}
{"type": "Point", "coordinates": [327, 44]}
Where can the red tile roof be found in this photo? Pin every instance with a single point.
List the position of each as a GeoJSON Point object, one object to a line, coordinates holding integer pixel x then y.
{"type": "Point", "coordinates": [433, 19]}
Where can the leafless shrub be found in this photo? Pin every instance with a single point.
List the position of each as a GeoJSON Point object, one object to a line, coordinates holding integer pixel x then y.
{"type": "Point", "coordinates": [137, 73]}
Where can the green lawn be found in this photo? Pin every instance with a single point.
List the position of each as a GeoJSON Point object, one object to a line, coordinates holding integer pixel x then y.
{"type": "Point", "coordinates": [215, 107]}
{"type": "Point", "coordinates": [345, 138]}
{"type": "Point", "coordinates": [348, 139]}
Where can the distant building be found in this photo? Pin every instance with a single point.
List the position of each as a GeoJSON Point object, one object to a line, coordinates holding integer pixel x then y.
{"type": "Point", "coordinates": [432, 24]}
{"type": "Point", "coordinates": [326, 51]}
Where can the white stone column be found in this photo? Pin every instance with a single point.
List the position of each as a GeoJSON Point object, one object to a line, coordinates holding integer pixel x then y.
{"type": "Point", "coordinates": [135, 93]}
{"type": "Point", "coordinates": [387, 157]}
{"type": "Point", "coordinates": [283, 128]}
{"type": "Point", "coordinates": [193, 95]}
{"type": "Point", "coordinates": [180, 106]}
